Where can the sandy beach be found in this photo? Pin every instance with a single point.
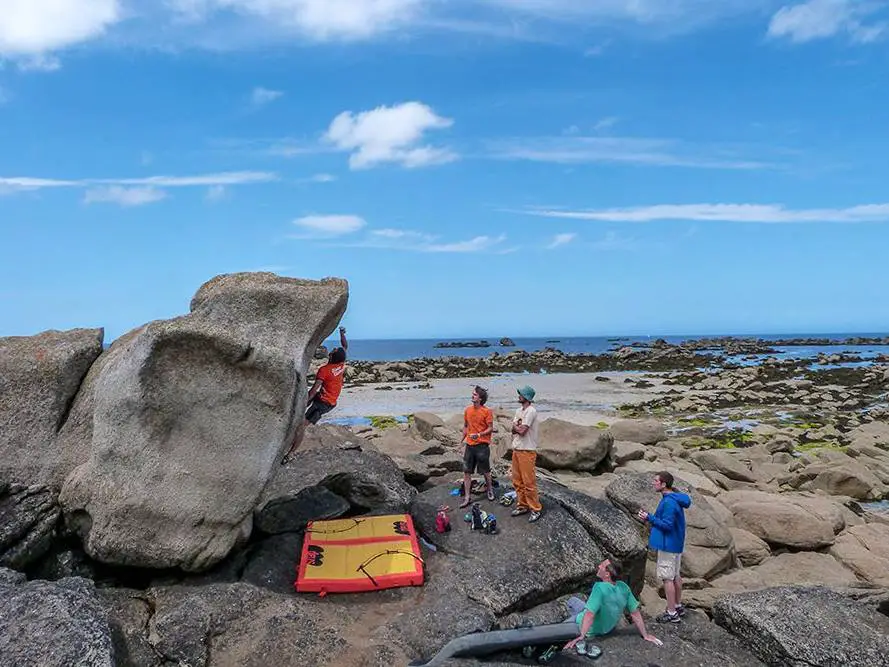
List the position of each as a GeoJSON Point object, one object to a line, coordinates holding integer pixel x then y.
{"type": "Point", "coordinates": [575, 397]}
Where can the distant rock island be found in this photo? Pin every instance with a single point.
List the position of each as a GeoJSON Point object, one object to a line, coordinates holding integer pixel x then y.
{"type": "Point", "coordinates": [456, 344]}
{"type": "Point", "coordinates": [463, 344]}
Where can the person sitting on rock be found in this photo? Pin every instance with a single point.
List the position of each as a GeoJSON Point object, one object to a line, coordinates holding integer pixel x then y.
{"type": "Point", "coordinates": [607, 602]}
{"type": "Point", "coordinates": [525, 428]}
{"type": "Point", "coordinates": [668, 539]}
{"type": "Point", "coordinates": [478, 426]}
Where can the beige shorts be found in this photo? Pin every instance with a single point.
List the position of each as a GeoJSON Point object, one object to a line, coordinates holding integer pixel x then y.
{"type": "Point", "coordinates": [668, 565]}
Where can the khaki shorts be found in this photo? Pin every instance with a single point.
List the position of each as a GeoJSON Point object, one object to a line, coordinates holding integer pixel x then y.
{"type": "Point", "coordinates": [668, 565]}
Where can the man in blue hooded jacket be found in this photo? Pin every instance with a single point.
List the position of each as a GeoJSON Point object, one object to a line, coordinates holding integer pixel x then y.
{"type": "Point", "coordinates": [668, 539]}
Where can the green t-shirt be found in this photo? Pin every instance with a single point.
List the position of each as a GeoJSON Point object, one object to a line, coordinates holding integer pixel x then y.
{"type": "Point", "coordinates": [608, 602]}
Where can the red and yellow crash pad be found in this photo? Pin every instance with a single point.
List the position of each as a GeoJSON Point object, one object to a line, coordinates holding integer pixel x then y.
{"type": "Point", "coordinates": [359, 555]}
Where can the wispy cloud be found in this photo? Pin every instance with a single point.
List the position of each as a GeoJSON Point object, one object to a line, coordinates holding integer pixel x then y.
{"type": "Point", "coordinates": [322, 178]}
{"type": "Point", "coordinates": [621, 150]}
{"type": "Point", "coordinates": [408, 240]}
{"type": "Point", "coordinates": [11, 185]}
{"type": "Point", "coordinates": [606, 123]}
{"type": "Point", "coordinates": [820, 19]}
{"type": "Point", "coordinates": [42, 62]}
{"type": "Point", "coordinates": [389, 135]}
{"type": "Point", "coordinates": [560, 240]}
{"type": "Point", "coordinates": [614, 241]}
{"type": "Point", "coordinates": [216, 193]}
{"type": "Point", "coordinates": [330, 225]}
{"type": "Point", "coordinates": [750, 213]}
{"type": "Point", "coordinates": [128, 197]}
{"type": "Point", "coordinates": [261, 97]}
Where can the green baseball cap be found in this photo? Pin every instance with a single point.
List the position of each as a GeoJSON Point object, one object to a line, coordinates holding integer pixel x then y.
{"type": "Point", "coordinates": [527, 392]}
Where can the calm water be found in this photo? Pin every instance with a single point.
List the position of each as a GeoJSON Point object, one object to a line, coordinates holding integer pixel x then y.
{"type": "Point", "coordinates": [395, 350]}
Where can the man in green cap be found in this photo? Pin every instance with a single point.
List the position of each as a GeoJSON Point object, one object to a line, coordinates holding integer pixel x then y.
{"type": "Point", "coordinates": [525, 428]}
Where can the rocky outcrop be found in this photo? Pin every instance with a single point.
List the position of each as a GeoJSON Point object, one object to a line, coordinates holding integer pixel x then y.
{"type": "Point", "coordinates": [40, 377]}
{"type": "Point", "coordinates": [326, 484]}
{"type": "Point", "coordinates": [493, 574]}
{"type": "Point", "coordinates": [709, 545]}
{"type": "Point", "coordinates": [642, 431]}
{"type": "Point", "coordinates": [567, 446]}
{"type": "Point", "coordinates": [865, 550]}
{"type": "Point", "coordinates": [777, 520]}
{"type": "Point", "coordinates": [806, 626]}
{"type": "Point", "coordinates": [56, 624]}
{"type": "Point", "coordinates": [28, 518]}
{"type": "Point", "coordinates": [191, 417]}
{"type": "Point", "coordinates": [750, 549]}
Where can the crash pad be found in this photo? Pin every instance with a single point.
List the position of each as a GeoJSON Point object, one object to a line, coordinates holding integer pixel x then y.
{"type": "Point", "coordinates": [359, 555]}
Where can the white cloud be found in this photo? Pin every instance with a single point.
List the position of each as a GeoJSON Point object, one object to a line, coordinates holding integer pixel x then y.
{"type": "Point", "coordinates": [202, 180]}
{"type": "Point", "coordinates": [752, 213]}
{"type": "Point", "coordinates": [389, 135]}
{"type": "Point", "coordinates": [403, 236]}
{"type": "Point", "coordinates": [477, 244]}
{"type": "Point", "coordinates": [116, 194]}
{"type": "Point", "coordinates": [24, 183]}
{"type": "Point", "coordinates": [626, 150]}
{"type": "Point", "coordinates": [34, 27]}
{"type": "Point", "coordinates": [233, 178]}
{"type": "Point", "coordinates": [260, 96]}
{"type": "Point", "coordinates": [331, 225]}
{"type": "Point", "coordinates": [315, 19]}
{"type": "Point", "coordinates": [322, 178]}
{"type": "Point", "coordinates": [614, 241]}
{"type": "Point", "coordinates": [606, 123]}
{"type": "Point", "coordinates": [560, 240]}
{"type": "Point", "coordinates": [40, 63]}
{"type": "Point", "coordinates": [408, 240]}
{"type": "Point", "coordinates": [819, 19]}
{"type": "Point", "coordinates": [216, 193]}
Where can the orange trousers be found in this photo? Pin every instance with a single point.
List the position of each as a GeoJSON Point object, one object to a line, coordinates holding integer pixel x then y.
{"type": "Point", "coordinates": [524, 479]}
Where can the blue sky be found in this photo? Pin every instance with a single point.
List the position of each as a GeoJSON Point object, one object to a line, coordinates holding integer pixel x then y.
{"type": "Point", "coordinates": [472, 167]}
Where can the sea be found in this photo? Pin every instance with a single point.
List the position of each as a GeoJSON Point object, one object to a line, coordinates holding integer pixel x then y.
{"type": "Point", "coordinates": [403, 349]}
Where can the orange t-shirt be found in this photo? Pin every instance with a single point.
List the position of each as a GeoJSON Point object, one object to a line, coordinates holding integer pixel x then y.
{"type": "Point", "coordinates": [331, 376]}
{"type": "Point", "coordinates": [478, 419]}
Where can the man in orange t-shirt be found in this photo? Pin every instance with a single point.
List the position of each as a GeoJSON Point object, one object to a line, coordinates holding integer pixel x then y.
{"type": "Point", "coordinates": [328, 382]}
{"type": "Point", "coordinates": [478, 426]}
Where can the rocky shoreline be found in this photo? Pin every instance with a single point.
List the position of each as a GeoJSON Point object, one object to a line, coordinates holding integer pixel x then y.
{"type": "Point", "coordinates": [146, 519]}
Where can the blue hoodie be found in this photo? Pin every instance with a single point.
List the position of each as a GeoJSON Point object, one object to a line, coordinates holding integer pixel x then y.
{"type": "Point", "coordinates": [668, 523]}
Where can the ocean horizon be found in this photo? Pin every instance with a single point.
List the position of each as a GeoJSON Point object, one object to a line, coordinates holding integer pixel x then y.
{"type": "Point", "coordinates": [397, 349]}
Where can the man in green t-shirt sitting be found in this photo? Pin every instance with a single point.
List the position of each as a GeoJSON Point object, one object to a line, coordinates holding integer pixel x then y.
{"type": "Point", "coordinates": [608, 601]}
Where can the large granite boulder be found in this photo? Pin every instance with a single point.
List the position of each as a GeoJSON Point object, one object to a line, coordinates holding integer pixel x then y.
{"type": "Point", "coordinates": [28, 518]}
{"type": "Point", "coordinates": [352, 481]}
{"type": "Point", "coordinates": [724, 463]}
{"type": "Point", "coordinates": [39, 379]}
{"type": "Point", "coordinates": [523, 564]}
{"type": "Point", "coordinates": [815, 627]}
{"type": "Point", "coordinates": [617, 535]}
{"type": "Point", "coordinates": [642, 431]}
{"type": "Point", "coordinates": [567, 446]}
{"type": "Point", "coordinates": [53, 624]}
{"type": "Point", "coordinates": [784, 520]}
{"type": "Point", "coordinates": [191, 417]}
{"type": "Point", "coordinates": [865, 550]}
{"type": "Point", "coordinates": [709, 546]}
{"type": "Point", "coordinates": [221, 625]}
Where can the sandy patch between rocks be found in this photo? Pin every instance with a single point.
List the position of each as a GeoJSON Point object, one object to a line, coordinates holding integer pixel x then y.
{"type": "Point", "coordinates": [575, 397]}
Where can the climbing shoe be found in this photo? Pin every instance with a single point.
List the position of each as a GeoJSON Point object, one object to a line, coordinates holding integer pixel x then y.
{"type": "Point", "coordinates": [667, 617]}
